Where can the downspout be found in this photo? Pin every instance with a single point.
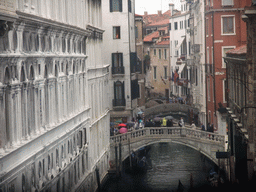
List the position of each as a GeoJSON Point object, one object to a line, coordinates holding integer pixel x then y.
{"type": "Point", "coordinates": [214, 90]}
{"type": "Point", "coordinates": [206, 75]}
{"type": "Point", "coordinates": [129, 38]}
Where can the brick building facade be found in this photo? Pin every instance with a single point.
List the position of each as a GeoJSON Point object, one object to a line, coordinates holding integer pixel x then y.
{"type": "Point", "coordinates": [224, 30]}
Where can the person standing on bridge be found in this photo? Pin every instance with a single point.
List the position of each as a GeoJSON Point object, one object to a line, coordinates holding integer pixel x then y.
{"type": "Point", "coordinates": [164, 121]}
{"type": "Point", "coordinates": [181, 122]}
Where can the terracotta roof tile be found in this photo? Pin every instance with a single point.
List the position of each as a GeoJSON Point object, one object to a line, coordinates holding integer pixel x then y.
{"type": "Point", "coordinates": [162, 22]}
{"type": "Point", "coordinates": [238, 51]}
{"type": "Point", "coordinates": [150, 36]}
{"type": "Point", "coordinates": [163, 43]}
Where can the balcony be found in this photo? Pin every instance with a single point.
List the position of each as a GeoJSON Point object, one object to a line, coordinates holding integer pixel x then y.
{"type": "Point", "coordinates": [117, 70]}
{"type": "Point", "coordinates": [119, 103]}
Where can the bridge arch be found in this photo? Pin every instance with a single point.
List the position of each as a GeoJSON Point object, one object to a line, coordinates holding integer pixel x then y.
{"type": "Point", "coordinates": [204, 142]}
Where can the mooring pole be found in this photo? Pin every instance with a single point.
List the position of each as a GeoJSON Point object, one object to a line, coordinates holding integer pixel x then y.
{"type": "Point", "coordinates": [116, 159]}
{"type": "Point", "coordinates": [120, 158]}
{"type": "Point", "coordinates": [130, 157]}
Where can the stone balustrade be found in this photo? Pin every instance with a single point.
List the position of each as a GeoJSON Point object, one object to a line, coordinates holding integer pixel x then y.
{"type": "Point", "coordinates": [168, 132]}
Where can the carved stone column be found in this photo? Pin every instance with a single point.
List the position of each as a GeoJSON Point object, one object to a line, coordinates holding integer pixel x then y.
{"type": "Point", "coordinates": [2, 119]}
{"type": "Point", "coordinates": [50, 103]}
{"type": "Point", "coordinates": [24, 112]}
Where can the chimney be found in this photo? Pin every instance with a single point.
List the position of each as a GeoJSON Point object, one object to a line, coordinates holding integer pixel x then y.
{"type": "Point", "coordinates": [145, 13]}
{"type": "Point", "coordinates": [159, 12]}
{"type": "Point", "coordinates": [171, 7]}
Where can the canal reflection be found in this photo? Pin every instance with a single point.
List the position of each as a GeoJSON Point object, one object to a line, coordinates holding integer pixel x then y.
{"type": "Point", "coordinates": [169, 163]}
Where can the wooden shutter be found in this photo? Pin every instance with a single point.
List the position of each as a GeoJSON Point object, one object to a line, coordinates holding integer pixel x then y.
{"type": "Point", "coordinates": [113, 59]}
{"type": "Point", "coordinates": [120, 6]}
{"type": "Point", "coordinates": [115, 90]}
{"type": "Point", "coordinates": [110, 6]}
{"type": "Point", "coordinates": [121, 55]}
{"type": "Point", "coordinates": [123, 91]}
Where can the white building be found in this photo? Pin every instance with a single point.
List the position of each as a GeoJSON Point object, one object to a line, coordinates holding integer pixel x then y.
{"type": "Point", "coordinates": [197, 61]}
{"type": "Point", "coordinates": [54, 118]}
{"type": "Point", "coordinates": [120, 52]}
{"type": "Point", "coordinates": [180, 50]}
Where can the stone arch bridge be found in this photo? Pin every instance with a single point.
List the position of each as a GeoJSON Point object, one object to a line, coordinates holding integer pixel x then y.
{"type": "Point", "coordinates": [205, 142]}
{"type": "Point", "coordinates": [170, 109]}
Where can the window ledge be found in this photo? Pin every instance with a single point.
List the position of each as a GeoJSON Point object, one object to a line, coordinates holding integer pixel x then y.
{"type": "Point", "coordinates": [228, 34]}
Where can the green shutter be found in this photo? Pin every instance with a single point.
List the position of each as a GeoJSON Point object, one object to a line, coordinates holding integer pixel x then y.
{"type": "Point", "coordinates": [110, 5]}
{"type": "Point", "coordinates": [115, 90]}
{"type": "Point", "coordinates": [121, 54]}
{"type": "Point", "coordinates": [123, 90]}
{"type": "Point", "coordinates": [120, 6]}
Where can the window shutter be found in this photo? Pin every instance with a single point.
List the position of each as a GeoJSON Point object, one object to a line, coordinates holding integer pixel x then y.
{"type": "Point", "coordinates": [115, 90]}
{"type": "Point", "coordinates": [123, 90]}
{"type": "Point", "coordinates": [113, 64]}
{"type": "Point", "coordinates": [120, 6]}
{"type": "Point", "coordinates": [121, 55]}
{"type": "Point", "coordinates": [111, 5]}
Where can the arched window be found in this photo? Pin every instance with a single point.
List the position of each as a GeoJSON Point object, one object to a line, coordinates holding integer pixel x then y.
{"type": "Point", "coordinates": [67, 68]}
{"type": "Point", "coordinates": [40, 169]}
{"type": "Point", "coordinates": [56, 73]}
{"type": "Point", "coordinates": [7, 77]}
{"type": "Point", "coordinates": [22, 74]}
{"type": "Point", "coordinates": [57, 157]}
{"type": "Point", "coordinates": [45, 72]}
{"type": "Point", "coordinates": [23, 182]}
{"type": "Point", "coordinates": [119, 99]}
{"type": "Point", "coordinates": [74, 67]}
{"type": "Point", "coordinates": [31, 73]}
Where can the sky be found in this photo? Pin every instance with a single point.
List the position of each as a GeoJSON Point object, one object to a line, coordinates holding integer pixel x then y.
{"type": "Point", "coordinates": [152, 6]}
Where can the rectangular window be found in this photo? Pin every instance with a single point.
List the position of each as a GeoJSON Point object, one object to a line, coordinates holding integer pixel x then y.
{"type": "Point", "coordinates": [154, 52]}
{"type": "Point", "coordinates": [155, 73]}
{"type": "Point", "coordinates": [207, 55]}
{"type": "Point", "coordinates": [227, 3]}
{"type": "Point", "coordinates": [208, 89]}
{"type": "Point", "coordinates": [207, 27]}
{"type": "Point", "coordinates": [228, 25]}
{"type": "Point", "coordinates": [117, 59]}
{"type": "Point", "coordinates": [176, 42]}
{"type": "Point", "coordinates": [160, 54]}
{"type": "Point", "coordinates": [176, 25]}
{"type": "Point", "coordinates": [115, 5]}
{"type": "Point", "coordinates": [176, 53]}
{"type": "Point", "coordinates": [130, 6]}
{"type": "Point", "coordinates": [165, 54]}
{"type": "Point", "coordinates": [224, 91]}
{"type": "Point", "coordinates": [225, 49]}
{"type": "Point", "coordinates": [116, 32]}
{"type": "Point", "coordinates": [165, 72]}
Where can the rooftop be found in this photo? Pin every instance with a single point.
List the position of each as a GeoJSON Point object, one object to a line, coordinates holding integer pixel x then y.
{"type": "Point", "coordinates": [151, 36]}
{"type": "Point", "coordinates": [238, 51]}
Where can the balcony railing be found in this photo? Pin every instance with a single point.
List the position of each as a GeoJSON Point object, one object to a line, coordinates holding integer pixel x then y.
{"type": "Point", "coordinates": [118, 102]}
{"type": "Point", "coordinates": [118, 70]}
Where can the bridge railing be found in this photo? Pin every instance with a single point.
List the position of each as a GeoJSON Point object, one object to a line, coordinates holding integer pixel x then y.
{"type": "Point", "coordinates": [167, 132]}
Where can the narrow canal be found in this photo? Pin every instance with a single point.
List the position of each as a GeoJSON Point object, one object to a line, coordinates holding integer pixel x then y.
{"type": "Point", "coordinates": [169, 163]}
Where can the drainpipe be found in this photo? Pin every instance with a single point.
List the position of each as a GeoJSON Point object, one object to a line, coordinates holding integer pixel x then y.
{"type": "Point", "coordinates": [206, 76]}
{"type": "Point", "coordinates": [214, 91]}
{"type": "Point", "coordinates": [129, 38]}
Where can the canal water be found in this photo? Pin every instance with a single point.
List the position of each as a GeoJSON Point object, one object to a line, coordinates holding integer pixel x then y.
{"type": "Point", "coordinates": [169, 163]}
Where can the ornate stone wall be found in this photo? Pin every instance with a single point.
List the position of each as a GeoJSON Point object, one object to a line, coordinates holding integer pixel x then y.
{"type": "Point", "coordinates": [53, 131]}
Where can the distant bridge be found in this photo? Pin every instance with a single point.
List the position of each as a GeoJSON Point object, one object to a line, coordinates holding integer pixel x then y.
{"type": "Point", "coordinates": [170, 108]}
{"type": "Point", "coordinates": [206, 143]}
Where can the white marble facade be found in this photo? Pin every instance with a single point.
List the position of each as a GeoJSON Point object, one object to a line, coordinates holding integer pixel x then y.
{"type": "Point", "coordinates": [54, 119]}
